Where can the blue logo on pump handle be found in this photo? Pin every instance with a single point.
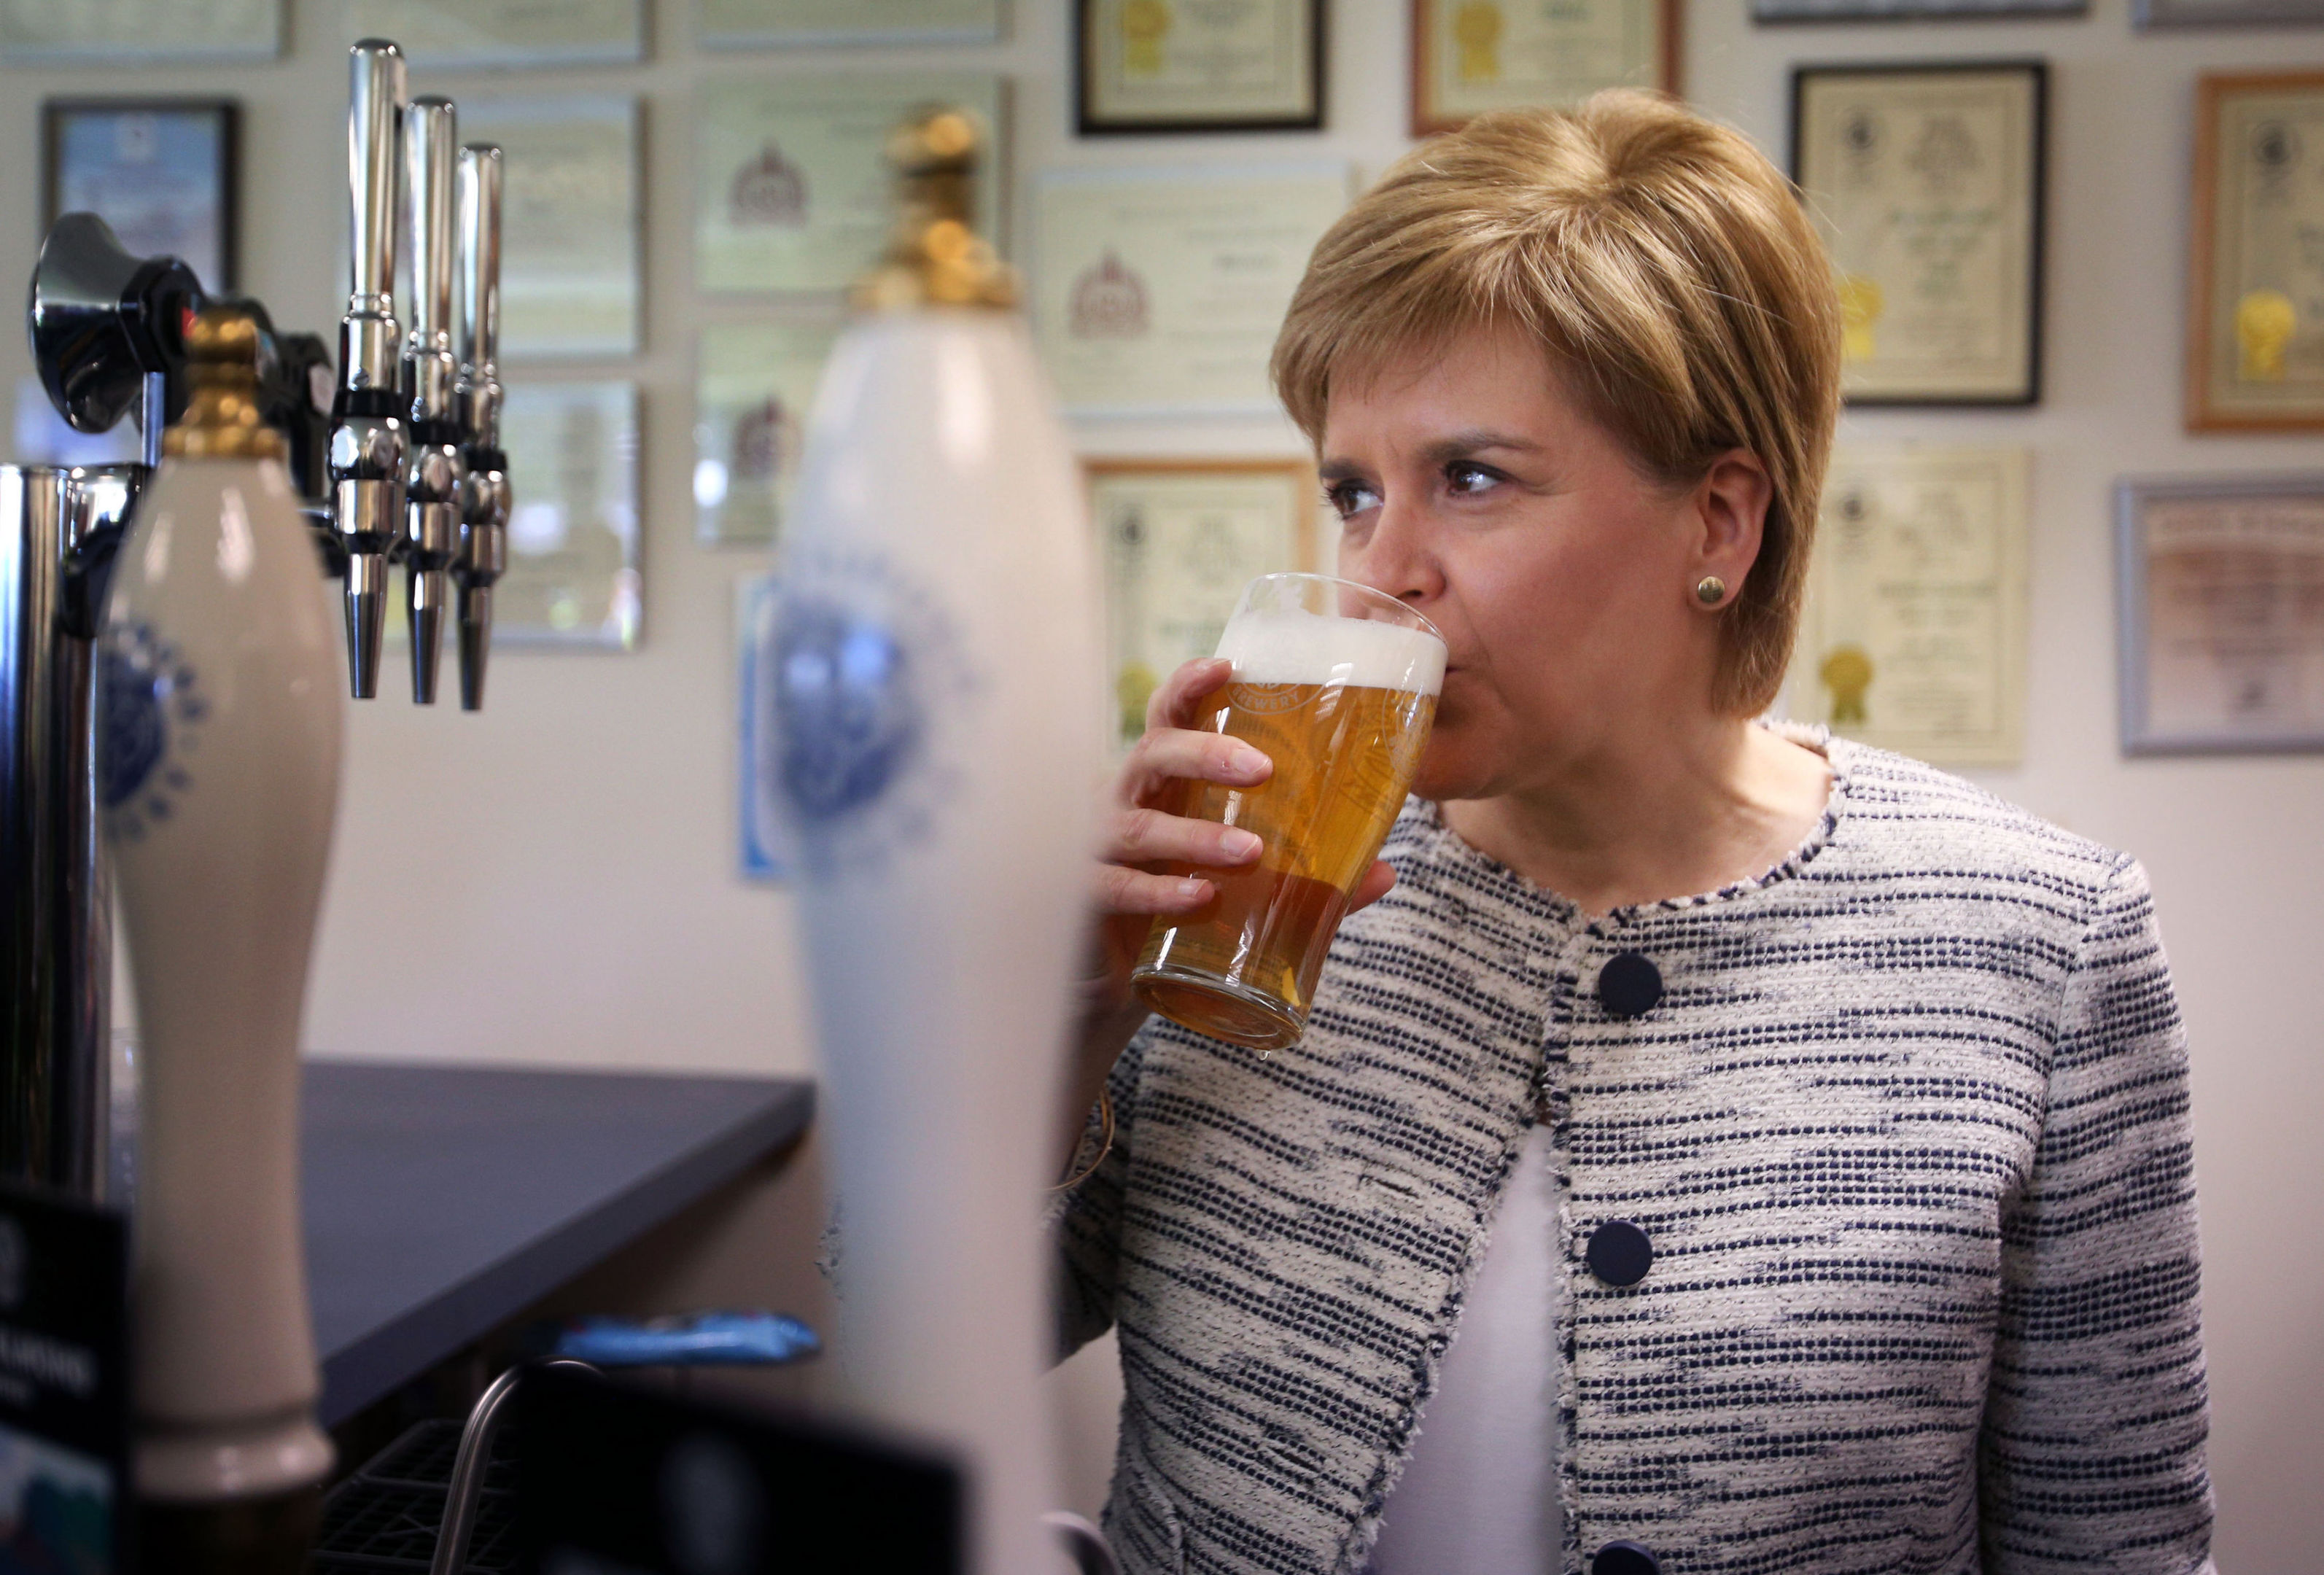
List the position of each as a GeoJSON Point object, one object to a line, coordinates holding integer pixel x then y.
{"type": "Point", "coordinates": [866, 698]}
{"type": "Point", "coordinates": [150, 709]}
{"type": "Point", "coordinates": [848, 720]}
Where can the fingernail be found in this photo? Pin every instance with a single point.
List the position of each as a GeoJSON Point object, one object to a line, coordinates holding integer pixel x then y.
{"type": "Point", "coordinates": [1239, 844]}
{"type": "Point", "coordinates": [1190, 889]}
{"type": "Point", "coordinates": [1246, 761]}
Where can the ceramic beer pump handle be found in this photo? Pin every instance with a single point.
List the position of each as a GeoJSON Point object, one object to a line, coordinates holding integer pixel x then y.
{"type": "Point", "coordinates": [931, 745]}
{"type": "Point", "coordinates": [219, 722]}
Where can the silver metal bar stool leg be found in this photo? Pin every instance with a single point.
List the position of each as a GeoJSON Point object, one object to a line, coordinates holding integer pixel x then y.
{"type": "Point", "coordinates": [469, 1465]}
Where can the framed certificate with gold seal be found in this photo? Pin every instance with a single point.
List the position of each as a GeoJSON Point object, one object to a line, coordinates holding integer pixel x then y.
{"type": "Point", "coordinates": [2256, 324]}
{"type": "Point", "coordinates": [1198, 65]}
{"type": "Point", "coordinates": [2222, 614]}
{"type": "Point", "coordinates": [1913, 637]}
{"type": "Point", "coordinates": [1470, 56]}
{"type": "Point", "coordinates": [1926, 182]}
{"type": "Point", "coordinates": [1179, 539]}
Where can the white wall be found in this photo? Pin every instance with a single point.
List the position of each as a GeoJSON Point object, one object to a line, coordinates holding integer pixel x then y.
{"type": "Point", "coordinates": [552, 880]}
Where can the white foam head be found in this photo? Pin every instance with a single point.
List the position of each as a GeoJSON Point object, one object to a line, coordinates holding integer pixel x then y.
{"type": "Point", "coordinates": [1278, 646]}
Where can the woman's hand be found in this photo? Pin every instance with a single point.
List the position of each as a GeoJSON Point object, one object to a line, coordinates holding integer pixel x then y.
{"type": "Point", "coordinates": [1142, 830]}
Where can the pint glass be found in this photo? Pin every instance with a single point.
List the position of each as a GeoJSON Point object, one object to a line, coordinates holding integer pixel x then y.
{"type": "Point", "coordinates": [1337, 683]}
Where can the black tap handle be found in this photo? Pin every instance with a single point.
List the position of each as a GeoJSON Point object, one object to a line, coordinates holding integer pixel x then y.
{"type": "Point", "coordinates": [294, 398]}
{"type": "Point", "coordinates": [100, 319]}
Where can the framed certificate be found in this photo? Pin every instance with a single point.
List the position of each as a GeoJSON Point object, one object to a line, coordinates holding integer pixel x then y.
{"type": "Point", "coordinates": [573, 562]}
{"type": "Point", "coordinates": [1927, 183]}
{"type": "Point", "coordinates": [1914, 635]}
{"type": "Point", "coordinates": [2222, 614]}
{"type": "Point", "coordinates": [569, 245]}
{"type": "Point", "coordinates": [753, 383]}
{"type": "Point", "coordinates": [779, 23]}
{"type": "Point", "coordinates": [1180, 538]}
{"type": "Point", "coordinates": [792, 189]}
{"type": "Point", "coordinates": [1470, 56]}
{"type": "Point", "coordinates": [757, 840]}
{"type": "Point", "coordinates": [162, 171]}
{"type": "Point", "coordinates": [469, 35]}
{"type": "Point", "coordinates": [1910, 10]}
{"type": "Point", "coordinates": [1171, 66]}
{"type": "Point", "coordinates": [2227, 13]}
{"type": "Point", "coordinates": [2256, 324]}
{"type": "Point", "coordinates": [1159, 291]}
{"type": "Point", "coordinates": [138, 32]}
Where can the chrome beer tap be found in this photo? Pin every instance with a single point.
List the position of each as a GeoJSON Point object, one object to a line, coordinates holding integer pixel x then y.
{"type": "Point", "coordinates": [108, 338]}
{"type": "Point", "coordinates": [434, 490]}
{"type": "Point", "coordinates": [485, 498]}
{"type": "Point", "coordinates": [370, 443]}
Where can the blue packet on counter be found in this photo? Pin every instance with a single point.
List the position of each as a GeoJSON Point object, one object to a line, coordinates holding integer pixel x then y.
{"type": "Point", "coordinates": [698, 1339]}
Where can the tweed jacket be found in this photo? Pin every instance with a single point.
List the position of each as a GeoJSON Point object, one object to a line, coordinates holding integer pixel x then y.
{"type": "Point", "coordinates": [1905, 1126]}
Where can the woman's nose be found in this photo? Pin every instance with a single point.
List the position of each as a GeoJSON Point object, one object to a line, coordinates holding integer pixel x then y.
{"type": "Point", "coordinates": [1398, 557]}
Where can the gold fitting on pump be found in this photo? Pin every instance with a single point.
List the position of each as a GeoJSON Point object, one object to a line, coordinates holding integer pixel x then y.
{"type": "Point", "coordinates": [222, 419]}
{"type": "Point", "coordinates": [935, 257]}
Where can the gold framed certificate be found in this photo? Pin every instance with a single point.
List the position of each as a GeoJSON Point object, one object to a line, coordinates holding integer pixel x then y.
{"type": "Point", "coordinates": [792, 188]}
{"type": "Point", "coordinates": [1176, 66]}
{"type": "Point", "coordinates": [2222, 614]}
{"type": "Point", "coordinates": [1180, 538]}
{"type": "Point", "coordinates": [1470, 56]}
{"type": "Point", "coordinates": [753, 383]}
{"type": "Point", "coordinates": [2256, 324]}
{"type": "Point", "coordinates": [783, 24]}
{"type": "Point", "coordinates": [1159, 291]}
{"type": "Point", "coordinates": [570, 233]}
{"type": "Point", "coordinates": [1926, 182]}
{"type": "Point", "coordinates": [1914, 635]}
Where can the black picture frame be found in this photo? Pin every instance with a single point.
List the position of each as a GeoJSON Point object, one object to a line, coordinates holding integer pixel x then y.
{"type": "Point", "coordinates": [1090, 123]}
{"type": "Point", "coordinates": [2028, 391]}
{"type": "Point", "coordinates": [138, 203]}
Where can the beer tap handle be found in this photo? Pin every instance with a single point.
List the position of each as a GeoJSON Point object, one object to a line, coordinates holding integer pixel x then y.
{"type": "Point", "coordinates": [368, 436]}
{"type": "Point", "coordinates": [483, 551]}
{"type": "Point", "coordinates": [374, 114]}
{"type": "Point", "coordinates": [433, 481]}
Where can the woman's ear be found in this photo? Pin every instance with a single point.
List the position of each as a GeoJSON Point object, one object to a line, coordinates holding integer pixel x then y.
{"type": "Point", "coordinates": [1731, 508]}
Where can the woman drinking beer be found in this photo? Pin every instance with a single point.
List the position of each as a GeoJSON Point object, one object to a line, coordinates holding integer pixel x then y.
{"type": "Point", "coordinates": [1713, 1146]}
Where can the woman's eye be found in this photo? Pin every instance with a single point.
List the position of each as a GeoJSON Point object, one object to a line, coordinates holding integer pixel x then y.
{"type": "Point", "coordinates": [1466, 478]}
{"type": "Point", "coordinates": [1348, 498]}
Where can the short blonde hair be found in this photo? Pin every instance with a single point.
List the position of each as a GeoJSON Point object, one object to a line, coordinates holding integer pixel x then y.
{"type": "Point", "coordinates": [1668, 269]}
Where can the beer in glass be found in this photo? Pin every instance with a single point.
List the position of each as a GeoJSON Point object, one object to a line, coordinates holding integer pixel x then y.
{"type": "Point", "coordinates": [1337, 683]}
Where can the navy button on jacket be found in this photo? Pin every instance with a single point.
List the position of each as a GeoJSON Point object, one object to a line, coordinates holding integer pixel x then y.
{"type": "Point", "coordinates": [1908, 1130]}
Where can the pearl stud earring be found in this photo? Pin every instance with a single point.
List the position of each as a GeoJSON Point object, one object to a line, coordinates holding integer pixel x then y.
{"type": "Point", "coordinates": [1710, 590]}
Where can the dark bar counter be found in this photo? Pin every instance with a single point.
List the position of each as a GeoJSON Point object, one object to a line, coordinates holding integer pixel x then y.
{"type": "Point", "coordinates": [441, 1199]}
